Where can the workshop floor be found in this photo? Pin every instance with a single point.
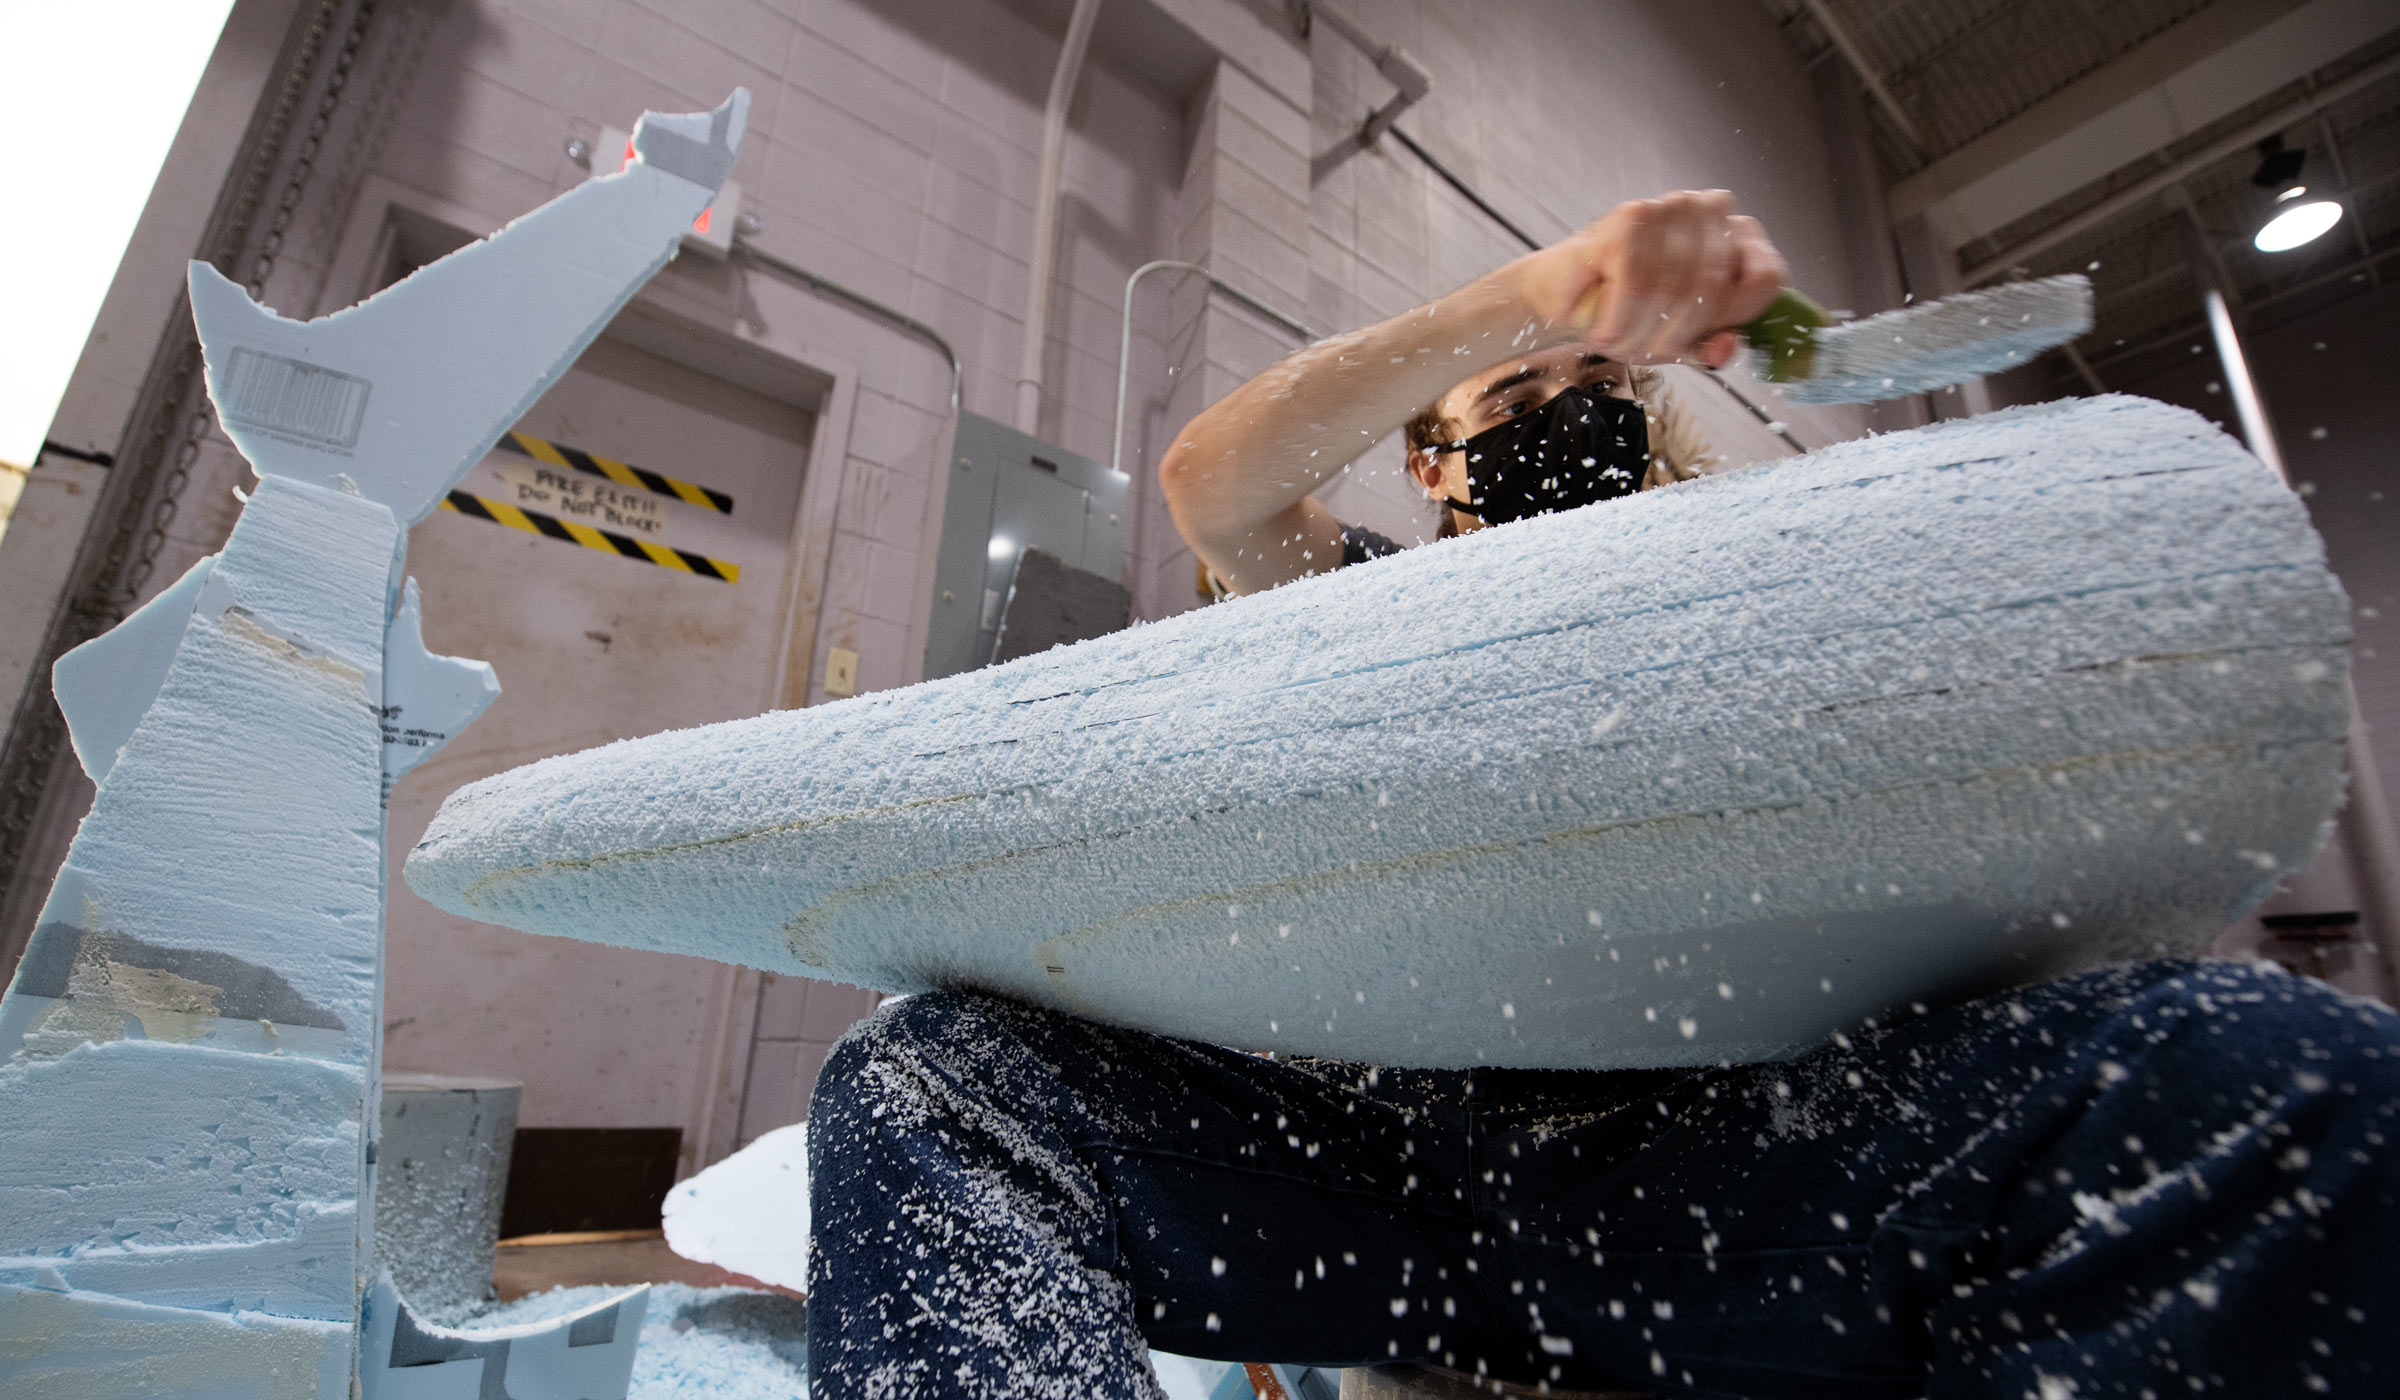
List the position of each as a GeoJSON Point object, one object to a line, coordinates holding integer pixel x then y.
{"type": "Point", "coordinates": [538, 1263]}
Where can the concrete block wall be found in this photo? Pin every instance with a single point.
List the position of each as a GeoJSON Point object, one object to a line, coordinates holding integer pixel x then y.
{"type": "Point", "coordinates": [799, 1019]}
{"type": "Point", "coordinates": [1555, 112]}
{"type": "Point", "coordinates": [893, 148]}
{"type": "Point", "coordinates": [1244, 215]}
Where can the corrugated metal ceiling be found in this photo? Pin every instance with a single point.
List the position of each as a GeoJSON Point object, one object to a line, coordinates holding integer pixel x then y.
{"type": "Point", "coordinates": [1960, 68]}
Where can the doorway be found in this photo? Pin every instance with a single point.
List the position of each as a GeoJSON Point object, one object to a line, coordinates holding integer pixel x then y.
{"type": "Point", "coordinates": [624, 560]}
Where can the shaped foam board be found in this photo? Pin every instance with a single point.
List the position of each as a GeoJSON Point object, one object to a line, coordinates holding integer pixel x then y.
{"type": "Point", "coordinates": [188, 1051]}
{"type": "Point", "coordinates": [62, 1344]}
{"type": "Point", "coordinates": [1702, 774]}
{"type": "Point", "coordinates": [749, 1212]}
{"type": "Point", "coordinates": [581, 1355]}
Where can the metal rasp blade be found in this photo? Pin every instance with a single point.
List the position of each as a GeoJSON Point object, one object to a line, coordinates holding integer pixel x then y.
{"type": "Point", "coordinates": [1917, 348]}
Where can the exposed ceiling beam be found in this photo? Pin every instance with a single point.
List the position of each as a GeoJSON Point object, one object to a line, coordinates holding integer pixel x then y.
{"type": "Point", "coordinates": [2341, 179]}
{"type": "Point", "coordinates": [1857, 59]}
{"type": "Point", "coordinates": [2215, 63]}
{"type": "Point", "coordinates": [2083, 368]}
{"type": "Point", "coordinates": [2182, 327]}
{"type": "Point", "coordinates": [2207, 155]}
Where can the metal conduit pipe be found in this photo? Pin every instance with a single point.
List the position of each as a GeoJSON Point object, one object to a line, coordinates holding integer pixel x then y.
{"type": "Point", "coordinates": [1116, 442]}
{"type": "Point", "coordinates": [1404, 73]}
{"type": "Point", "coordinates": [1045, 214]}
{"type": "Point", "coordinates": [826, 286]}
{"type": "Point", "coordinates": [1413, 82]}
{"type": "Point", "coordinates": [1865, 72]}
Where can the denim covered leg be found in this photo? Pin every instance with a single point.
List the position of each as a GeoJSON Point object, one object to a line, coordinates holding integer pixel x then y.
{"type": "Point", "coordinates": [2203, 1200]}
{"type": "Point", "coordinates": [960, 1246]}
{"type": "Point", "coordinates": [2165, 1179]}
{"type": "Point", "coordinates": [1013, 1201]}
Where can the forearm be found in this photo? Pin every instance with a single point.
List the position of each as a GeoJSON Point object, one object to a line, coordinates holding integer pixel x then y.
{"type": "Point", "coordinates": [1239, 476]}
{"type": "Point", "coordinates": [1654, 279]}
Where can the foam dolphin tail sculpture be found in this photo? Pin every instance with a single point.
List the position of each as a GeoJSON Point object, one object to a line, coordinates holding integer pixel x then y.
{"type": "Point", "coordinates": [398, 396]}
{"type": "Point", "coordinates": [191, 1042]}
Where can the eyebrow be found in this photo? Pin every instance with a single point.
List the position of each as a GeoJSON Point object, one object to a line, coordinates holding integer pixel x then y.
{"type": "Point", "coordinates": [1503, 385]}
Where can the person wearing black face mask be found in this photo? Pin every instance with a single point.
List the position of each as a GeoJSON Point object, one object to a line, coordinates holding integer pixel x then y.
{"type": "Point", "coordinates": [1657, 280]}
{"type": "Point", "coordinates": [1578, 449]}
{"type": "Point", "coordinates": [1543, 432]}
{"type": "Point", "coordinates": [2077, 1187]}
{"type": "Point", "coordinates": [1548, 432]}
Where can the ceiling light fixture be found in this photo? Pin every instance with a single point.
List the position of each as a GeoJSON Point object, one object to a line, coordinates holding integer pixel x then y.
{"type": "Point", "coordinates": [2293, 218]}
{"type": "Point", "coordinates": [2296, 222]}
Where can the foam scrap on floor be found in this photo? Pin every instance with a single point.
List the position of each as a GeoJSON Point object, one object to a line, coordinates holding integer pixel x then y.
{"type": "Point", "coordinates": [744, 1343]}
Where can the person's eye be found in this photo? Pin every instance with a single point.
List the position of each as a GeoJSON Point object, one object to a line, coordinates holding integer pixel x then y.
{"type": "Point", "coordinates": [1517, 409]}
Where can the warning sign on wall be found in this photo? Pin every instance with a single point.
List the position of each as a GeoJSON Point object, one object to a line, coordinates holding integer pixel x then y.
{"type": "Point", "coordinates": [589, 500]}
{"type": "Point", "coordinates": [576, 497]}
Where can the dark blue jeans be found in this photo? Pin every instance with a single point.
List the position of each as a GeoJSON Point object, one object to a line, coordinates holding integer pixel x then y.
{"type": "Point", "coordinates": [2151, 1180]}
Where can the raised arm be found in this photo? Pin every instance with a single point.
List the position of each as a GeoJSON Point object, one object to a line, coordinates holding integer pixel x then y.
{"type": "Point", "coordinates": [1656, 279]}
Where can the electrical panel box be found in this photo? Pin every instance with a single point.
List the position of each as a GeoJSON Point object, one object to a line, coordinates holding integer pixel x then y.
{"type": "Point", "coordinates": [1009, 492]}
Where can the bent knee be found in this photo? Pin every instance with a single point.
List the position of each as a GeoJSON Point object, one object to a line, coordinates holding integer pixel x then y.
{"type": "Point", "coordinates": [901, 1029]}
{"type": "Point", "coordinates": [2278, 1036]}
{"type": "Point", "coordinates": [971, 1040]}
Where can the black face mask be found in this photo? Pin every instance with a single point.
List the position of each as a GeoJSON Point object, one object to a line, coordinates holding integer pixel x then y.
{"type": "Point", "coordinates": [1577, 449]}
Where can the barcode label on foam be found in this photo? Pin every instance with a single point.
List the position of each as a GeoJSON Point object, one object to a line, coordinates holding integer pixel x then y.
{"type": "Point", "coordinates": [307, 402]}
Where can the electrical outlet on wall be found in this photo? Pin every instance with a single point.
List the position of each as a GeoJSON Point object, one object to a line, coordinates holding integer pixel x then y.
{"type": "Point", "coordinates": [841, 672]}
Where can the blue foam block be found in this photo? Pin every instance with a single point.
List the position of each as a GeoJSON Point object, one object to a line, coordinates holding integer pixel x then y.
{"type": "Point", "coordinates": [1703, 774]}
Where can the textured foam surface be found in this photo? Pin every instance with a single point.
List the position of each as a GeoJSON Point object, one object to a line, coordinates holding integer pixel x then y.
{"type": "Point", "coordinates": [189, 1048]}
{"type": "Point", "coordinates": [749, 1212]}
{"type": "Point", "coordinates": [586, 1353]}
{"type": "Point", "coordinates": [189, 1041]}
{"type": "Point", "coordinates": [1704, 773]}
{"type": "Point", "coordinates": [58, 1344]}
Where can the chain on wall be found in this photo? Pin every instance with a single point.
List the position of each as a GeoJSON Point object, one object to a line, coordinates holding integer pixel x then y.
{"type": "Point", "coordinates": [171, 420]}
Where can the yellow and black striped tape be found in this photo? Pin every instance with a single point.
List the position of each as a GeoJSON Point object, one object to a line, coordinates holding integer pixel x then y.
{"type": "Point", "coordinates": [534, 522]}
{"type": "Point", "coordinates": [558, 454]}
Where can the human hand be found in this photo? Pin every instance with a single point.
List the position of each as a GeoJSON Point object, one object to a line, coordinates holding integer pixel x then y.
{"type": "Point", "coordinates": [1655, 279]}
